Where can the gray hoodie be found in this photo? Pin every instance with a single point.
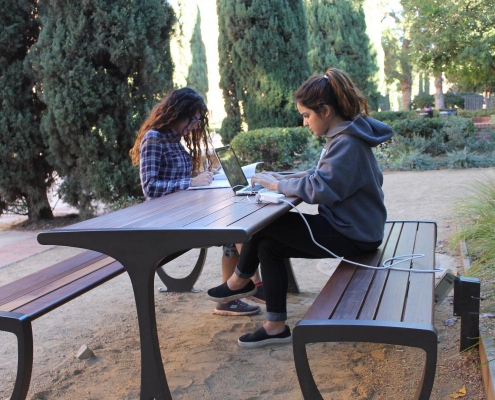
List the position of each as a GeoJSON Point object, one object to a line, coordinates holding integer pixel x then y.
{"type": "Point", "coordinates": [347, 183]}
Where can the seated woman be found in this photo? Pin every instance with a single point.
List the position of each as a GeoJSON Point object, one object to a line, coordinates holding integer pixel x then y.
{"type": "Point", "coordinates": [347, 186]}
{"type": "Point", "coordinates": [166, 166]}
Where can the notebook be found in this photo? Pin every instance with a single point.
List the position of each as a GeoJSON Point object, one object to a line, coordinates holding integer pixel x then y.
{"type": "Point", "coordinates": [234, 173]}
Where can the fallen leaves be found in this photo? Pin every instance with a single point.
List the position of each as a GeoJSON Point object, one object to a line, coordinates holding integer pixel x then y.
{"type": "Point", "coordinates": [460, 393]}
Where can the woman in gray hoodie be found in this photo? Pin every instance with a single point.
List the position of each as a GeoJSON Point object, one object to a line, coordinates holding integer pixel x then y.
{"type": "Point", "coordinates": [347, 186]}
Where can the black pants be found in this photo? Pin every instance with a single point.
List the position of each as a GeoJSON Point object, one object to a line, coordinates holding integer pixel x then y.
{"type": "Point", "coordinates": [289, 237]}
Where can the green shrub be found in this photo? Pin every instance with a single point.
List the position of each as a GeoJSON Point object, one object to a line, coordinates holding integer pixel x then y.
{"type": "Point", "coordinates": [279, 148]}
{"type": "Point", "coordinates": [454, 100]}
{"type": "Point", "coordinates": [421, 100]}
{"type": "Point", "coordinates": [412, 160]}
{"type": "Point", "coordinates": [424, 127]}
{"type": "Point", "coordinates": [389, 116]}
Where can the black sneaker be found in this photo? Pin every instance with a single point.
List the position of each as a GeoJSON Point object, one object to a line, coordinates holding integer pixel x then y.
{"type": "Point", "coordinates": [222, 293]}
{"type": "Point", "coordinates": [236, 307]}
{"type": "Point", "coordinates": [259, 296]}
{"type": "Point", "coordinates": [260, 338]}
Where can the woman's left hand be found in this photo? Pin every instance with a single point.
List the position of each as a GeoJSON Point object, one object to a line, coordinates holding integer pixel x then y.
{"type": "Point", "coordinates": [265, 180]}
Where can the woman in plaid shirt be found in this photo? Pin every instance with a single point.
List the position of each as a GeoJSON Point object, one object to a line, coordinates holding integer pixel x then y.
{"type": "Point", "coordinates": [166, 166]}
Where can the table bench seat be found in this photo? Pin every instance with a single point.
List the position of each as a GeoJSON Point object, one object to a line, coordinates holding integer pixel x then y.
{"type": "Point", "coordinates": [378, 306]}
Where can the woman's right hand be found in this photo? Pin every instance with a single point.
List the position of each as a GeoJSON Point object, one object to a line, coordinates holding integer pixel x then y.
{"type": "Point", "coordinates": [203, 179]}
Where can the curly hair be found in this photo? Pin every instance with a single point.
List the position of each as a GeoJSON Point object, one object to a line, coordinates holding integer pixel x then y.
{"type": "Point", "coordinates": [335, 89]}
{"type": "Point", "coordinates": [179, 104]}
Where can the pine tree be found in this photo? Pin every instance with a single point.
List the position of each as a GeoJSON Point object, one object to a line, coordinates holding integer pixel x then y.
{"type": "Point", "coordinates": [263, 57]}
{"type": "Point", "coordinates": [337, 38]}
{"type": "Point", "coordinates": [101, 65]}
{"type": "Point", "coordinates": [25, 173]}
{"type": "Point", "coordinates": [197, 77]}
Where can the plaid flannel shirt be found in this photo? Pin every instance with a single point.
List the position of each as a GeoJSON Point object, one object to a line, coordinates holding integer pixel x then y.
{"type": "Point", "coordinates": [165, 165]}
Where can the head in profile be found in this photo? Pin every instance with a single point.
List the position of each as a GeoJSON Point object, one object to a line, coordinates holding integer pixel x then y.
{"type": "Point", "coordinates": [183, 113]}
{"type": "Point", "coordinates": [326, 100]}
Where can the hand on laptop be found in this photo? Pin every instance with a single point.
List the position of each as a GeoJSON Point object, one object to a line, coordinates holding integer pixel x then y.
{"type": "Point", "coordinates": [202, 179]}
{"type": "Point", "coordinates": [265, 179]}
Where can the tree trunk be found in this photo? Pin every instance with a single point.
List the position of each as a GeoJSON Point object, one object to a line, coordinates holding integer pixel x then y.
{"type": "Point", "coordinates": [439, 97]}
{"type": "Point", "coordinates": [406, 93]}
{"type": "Point", "coordinates": [38, 205]}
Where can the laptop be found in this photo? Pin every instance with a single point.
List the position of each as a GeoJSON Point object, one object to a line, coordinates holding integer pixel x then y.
{"type": "Point", "coordinates": [234, 173]}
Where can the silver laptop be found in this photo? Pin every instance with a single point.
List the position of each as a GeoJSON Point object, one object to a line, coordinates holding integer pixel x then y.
{"type": "Point", "coordinates": [234, 173]}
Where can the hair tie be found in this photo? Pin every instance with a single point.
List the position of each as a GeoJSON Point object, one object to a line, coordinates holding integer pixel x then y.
{"type": "Point", "coordinates": [325, 76]}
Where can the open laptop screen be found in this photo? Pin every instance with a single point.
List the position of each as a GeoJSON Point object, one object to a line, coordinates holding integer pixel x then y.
{"type": "Point", "coordinates": [231, 167]}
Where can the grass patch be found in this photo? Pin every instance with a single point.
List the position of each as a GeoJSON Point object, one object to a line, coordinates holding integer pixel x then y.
{"type": "Point", "coordinates": [476, 220]}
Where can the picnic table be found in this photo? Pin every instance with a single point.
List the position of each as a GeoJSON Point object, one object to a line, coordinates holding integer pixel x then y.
{"type": "Point", "coordinates": [142, 237]}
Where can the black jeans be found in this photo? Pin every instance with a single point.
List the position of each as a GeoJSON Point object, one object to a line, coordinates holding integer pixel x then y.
{"type": "Point", "coordinates": [288, 237]}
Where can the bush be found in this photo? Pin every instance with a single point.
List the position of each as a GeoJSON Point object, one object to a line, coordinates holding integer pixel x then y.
{"type": "Point", "coordinates": [413, 160]}
{"type": "Point", "coordinates": [424, 127]}
{"type": "Point", "coordinates": [421, 100]}
{"type": "Point", "coordinates": [454, 100]}
{"type": "Point", "coordinates": [390, 116]}
{"type": "Point", "coordinates": [425, 143]}
{"type": "Point", "coordinates": [279, 148]}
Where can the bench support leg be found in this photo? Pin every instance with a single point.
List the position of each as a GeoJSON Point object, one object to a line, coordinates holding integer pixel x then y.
{"type": "Point", "coordinates": [20, 326]}
{"type": "Point", "coordinates": [403, 334]}
{"type": "Point", "coordinates": [467, 306]}
{"type": "Point", "coordinates": [183, 284]}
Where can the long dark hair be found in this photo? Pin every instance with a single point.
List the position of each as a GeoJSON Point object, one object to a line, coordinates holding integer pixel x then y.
{"type": "Point", "coordinates": [179, 104]}
{"type": "Point", "coordinates": [335, 89]}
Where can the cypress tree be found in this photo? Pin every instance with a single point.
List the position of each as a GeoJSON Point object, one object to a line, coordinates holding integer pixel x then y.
{"type": "Point", "coordinates": [25, 173]}
{"type": "Point", "coordinates": [228, 63]}
{"type": "Point", "coordinates": [337, 38]}
{"type": "Point", "coordinates": [197, 77]}
{"type": "Point", "coordinates": [101, 65]}
{"type": "Point", "coordinates": [263, 49]}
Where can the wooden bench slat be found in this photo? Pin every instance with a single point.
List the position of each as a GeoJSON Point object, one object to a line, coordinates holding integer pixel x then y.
{"type": "Point", "coordinates": [40, 278]}
{"type": "Point", "coordinates": [392, 304]}
{"type": "Point", "coordinates": [70, 291]}
{"type": "Point", "coordinates": [372, 301]}
{"type": "Point", "coordinates": [357, 289]}
{"type": "Point", "coordinates": [47, 287]}
{"type": "Point", "coordinates": [331, 293]}
{"type": "Point", "coordinates": [421, 310]}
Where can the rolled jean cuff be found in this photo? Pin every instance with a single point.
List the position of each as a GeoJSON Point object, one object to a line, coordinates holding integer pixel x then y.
{"type": "Point", "coordinates": [243, 275]}
{"type": "Point", "coordinates": [274, 317]}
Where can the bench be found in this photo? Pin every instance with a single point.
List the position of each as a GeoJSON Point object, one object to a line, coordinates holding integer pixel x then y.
{"type": "Point", "coordinates": [358, 304]}
{"type": "Point", "coordinates": [35, 295]}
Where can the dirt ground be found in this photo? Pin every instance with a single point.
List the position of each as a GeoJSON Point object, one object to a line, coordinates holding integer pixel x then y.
{"type": "Point", "coordinates": [199, 350]}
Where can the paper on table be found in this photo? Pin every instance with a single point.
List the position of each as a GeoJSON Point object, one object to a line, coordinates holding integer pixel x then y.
{"type": "Point", "coordinates": [220, 180]}
{"type": "Point", "coordinates": [249, 171]}
{"type": "Point", "coordinates": [224, 183]}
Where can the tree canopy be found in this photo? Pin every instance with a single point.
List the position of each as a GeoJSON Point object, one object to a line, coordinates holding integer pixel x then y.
{"type": "Point", "coordinates": [25, 173]}
{"type": "Point", "coordinates": [337, 38]}
{"type": "Point", "coordinates": [100, 67]}
{"type": "Point", "coordinates": [263, 58]}
{"type": "Point", "coordinates": [456, 37]}
{"type": "Point", "coordinates": [197, 76]}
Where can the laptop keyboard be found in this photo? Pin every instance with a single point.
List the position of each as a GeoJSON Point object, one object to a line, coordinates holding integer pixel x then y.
{"type": "Point", "coordinates": [256, 187]}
